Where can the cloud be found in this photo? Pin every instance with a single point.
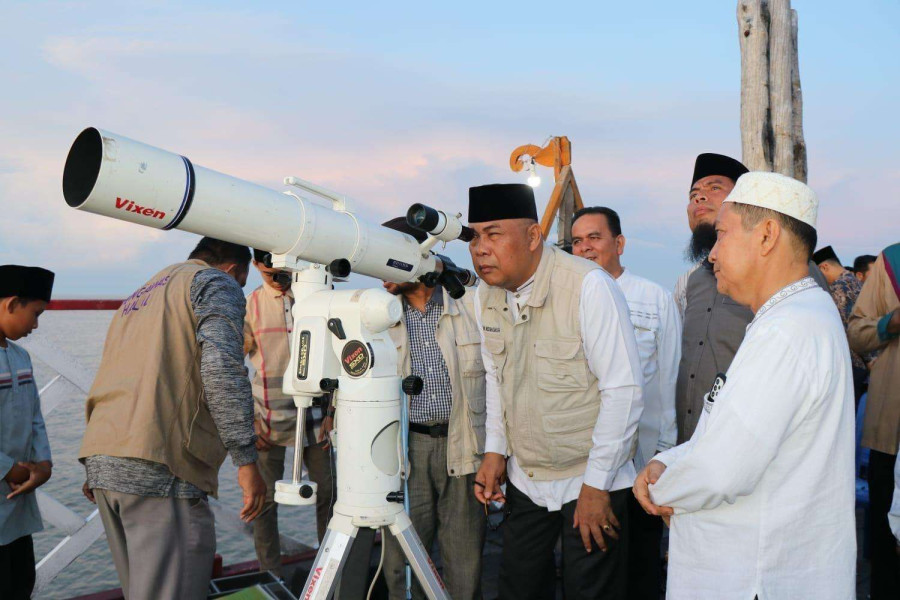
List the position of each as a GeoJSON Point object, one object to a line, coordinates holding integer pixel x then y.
{"type": "Point", "coordinates": [259, 97]}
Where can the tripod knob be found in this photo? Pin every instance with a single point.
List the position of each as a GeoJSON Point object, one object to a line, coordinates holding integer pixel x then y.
{"type": "Point", "coordinates": [395, 497]}
{"type": "Point", "coordinates": [413, 385]}
{"type": "Point", "coordinates": [306, 491]}
{"type": "Point", "coordinates": [328, 385]}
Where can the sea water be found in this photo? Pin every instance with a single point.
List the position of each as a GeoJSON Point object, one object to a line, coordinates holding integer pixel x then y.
{"type": "Point", "coordinates": [80, 334]}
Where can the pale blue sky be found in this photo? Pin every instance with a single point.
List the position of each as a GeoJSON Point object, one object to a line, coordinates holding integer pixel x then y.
{"type": "Point", "coordinates": [402, 102]}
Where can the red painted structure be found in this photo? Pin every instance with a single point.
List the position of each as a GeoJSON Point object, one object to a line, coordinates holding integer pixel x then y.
{"type": "Point", "coordinates": [84, 304]}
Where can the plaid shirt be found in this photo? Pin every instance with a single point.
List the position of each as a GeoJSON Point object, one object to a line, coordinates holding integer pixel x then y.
{"type": "Point", "coordinates": [433, 404]}
{"type": "Point", "coordinates": [267, 335]}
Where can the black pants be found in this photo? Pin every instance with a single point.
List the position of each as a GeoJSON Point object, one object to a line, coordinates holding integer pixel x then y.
{"type": "Point", "coordinates": [644, 553]}
{"type": "Point", "coordinates": [885, 565]}
{"type": "Point", "coordinates": [860, 384]}
{"type": "Point", "coordinates": [528, 567]}
{"type": "Point", "coordinates": [17, 569]}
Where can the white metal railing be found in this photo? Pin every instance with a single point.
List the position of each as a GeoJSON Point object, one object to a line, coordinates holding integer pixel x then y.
{"type": "Point", "coordinates": [82, 532]}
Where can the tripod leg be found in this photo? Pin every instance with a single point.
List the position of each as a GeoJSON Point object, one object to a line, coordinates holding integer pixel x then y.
{"type": "Point", "coordinates": [330, 559]}
{"type": "Point", "coordinates": [418, 558]}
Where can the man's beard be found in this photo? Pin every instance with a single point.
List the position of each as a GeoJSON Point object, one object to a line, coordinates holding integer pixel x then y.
{"type": "Point", "coordinates": [703, 238]}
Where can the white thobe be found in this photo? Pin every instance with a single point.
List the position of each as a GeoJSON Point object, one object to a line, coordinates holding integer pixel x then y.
{"type": "Point", "coordinates": [612, 356]}
{"type": "Point", "coordinates": [763, 492]}
{"type": "Point", "coordinates": [657, 329]}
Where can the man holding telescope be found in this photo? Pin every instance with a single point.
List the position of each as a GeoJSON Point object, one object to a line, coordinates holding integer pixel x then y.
{"type": "Point", "coordinates": [437, 339]}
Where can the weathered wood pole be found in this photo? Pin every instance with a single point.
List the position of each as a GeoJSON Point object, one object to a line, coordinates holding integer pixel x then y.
{"type": "Point", "coordinates": [771, 97]}
{"type": "Point", "coordinates": [800, 169]}
{"type": "Point", "coordinates": [781, 104]}
{"type": "Point", "coordinates": [754, 39]}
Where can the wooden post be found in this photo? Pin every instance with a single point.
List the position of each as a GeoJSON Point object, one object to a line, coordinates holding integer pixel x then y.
{"type": "Point", "coordinates": [566, 216]}
{"type": "Point", "coordinates": [781, 105]}
{"type": "Point", "coordinates": [800, 168]}
{"type": "Point", "coordinates": [771, 97]}
{"type": "Point", "coordinates": [754, 39]}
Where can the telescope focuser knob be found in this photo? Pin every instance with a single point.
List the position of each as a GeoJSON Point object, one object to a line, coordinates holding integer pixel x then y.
{"type": "Point", "coordinates": [283, 278]}
{"type": "Point", "coordinates": [413, 385]}
{"type": "Point", "coordinates": [339, 268]}
{"type": "Point", "coordinates": [429, 279]}
{"type": "Point", "coordinates": [328, 385]}
{"type": "Point", "coordinates": [395, 497]}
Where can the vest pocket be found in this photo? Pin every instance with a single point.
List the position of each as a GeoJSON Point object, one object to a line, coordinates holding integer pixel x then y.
{"type": "Point", "coordinates": [468, 351]}
{"type": "Point", "coordinates": [560, 365]}
{"type": "Point", "coordinates": [495, 345]}
{"type": "Point", "coordinates": [569, 434]}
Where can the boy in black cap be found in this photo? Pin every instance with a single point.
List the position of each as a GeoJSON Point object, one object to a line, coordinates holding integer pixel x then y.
{"type": "Point", "coordinates": [24, 448]}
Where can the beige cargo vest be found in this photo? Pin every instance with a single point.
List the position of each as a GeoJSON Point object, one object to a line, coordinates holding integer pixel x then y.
{"type": "Point", "coordinates": [460, 344]}
{"type": "Point", "coordinates": [549, 397]}
{"type": "Point", "coordinates": [147, 399]}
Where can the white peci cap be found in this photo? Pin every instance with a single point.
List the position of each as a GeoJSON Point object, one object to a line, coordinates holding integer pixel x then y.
{"type": "Point", "coordinates": [777, 192]}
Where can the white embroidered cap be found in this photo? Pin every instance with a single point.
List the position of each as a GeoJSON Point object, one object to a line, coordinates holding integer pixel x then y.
{"type": "Point", "coordinates": [777, 192]}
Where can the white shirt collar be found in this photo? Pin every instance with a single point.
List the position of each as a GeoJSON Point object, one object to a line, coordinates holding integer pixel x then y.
{"type": "Point", "coordinates": [784, 293]}
{"type": "Point", "coordinates": [517, 299]}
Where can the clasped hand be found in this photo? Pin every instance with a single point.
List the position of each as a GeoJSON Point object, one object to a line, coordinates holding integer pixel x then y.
{"type": "Point", "coordinates": [26, 477]}
{"type": "Point", "coordinates": [650, 475]}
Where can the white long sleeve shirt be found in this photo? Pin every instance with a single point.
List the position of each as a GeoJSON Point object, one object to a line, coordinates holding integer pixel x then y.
{"type": "Point", "coordinates": [763, 492]}
{"type": "Point", "coordinates": [612, 356]}
{"type": "Point", "coordinates": [657, 329]}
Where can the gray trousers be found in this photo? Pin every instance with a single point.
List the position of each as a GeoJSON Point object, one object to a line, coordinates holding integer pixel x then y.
{"type": "Point", "coordinates": [163, 548]}
{"type": "Point", "coordinates": [442, 507]}
{"type": "Point", "coordinates": [265, 528]}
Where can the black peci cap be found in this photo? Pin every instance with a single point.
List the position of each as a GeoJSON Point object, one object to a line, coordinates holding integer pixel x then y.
{"type": "Point", "coordinates": [717, 164]}
{"type": "Point", "coordinates": [26, 282]}
{"type": "Point", "coordinates": [500, 201]}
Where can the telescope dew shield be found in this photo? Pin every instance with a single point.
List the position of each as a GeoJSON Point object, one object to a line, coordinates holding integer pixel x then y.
{"type": "Point", "coordinates": [114, 176]}
{"type": "Point", "coordinates": [117, 177]}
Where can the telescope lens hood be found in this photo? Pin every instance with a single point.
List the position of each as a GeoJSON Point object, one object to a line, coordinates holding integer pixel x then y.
{"type": "Point", "coordinates": [82, 167]}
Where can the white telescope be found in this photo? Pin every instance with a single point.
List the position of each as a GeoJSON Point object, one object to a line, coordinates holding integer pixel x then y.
{"type": "Point", "coordinates": [340, 348]}
{"type": "Point", "coordinates": [111, 175]}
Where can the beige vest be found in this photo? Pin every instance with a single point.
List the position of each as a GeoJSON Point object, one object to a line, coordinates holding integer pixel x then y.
{"type": "Point", "coordinates": [147, 399]}
{"type": "Point", "coordinates": [549, 397]}
{"type": "Point", "coordinates": [460, 344]}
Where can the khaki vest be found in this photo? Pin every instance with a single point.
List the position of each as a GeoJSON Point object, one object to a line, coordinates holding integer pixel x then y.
{"type": "Point", "coordinates": [549, 397]}
{"type": "Point", "coordinates": [460, 343]}
{"type": "Point", "coordinates": [147, 399]}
